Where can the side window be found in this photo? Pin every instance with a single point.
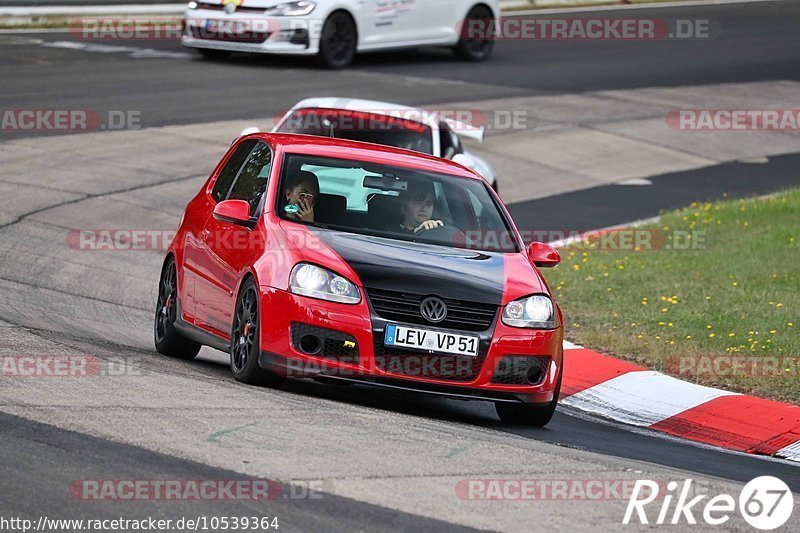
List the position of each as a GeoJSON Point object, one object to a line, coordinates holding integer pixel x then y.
{"type": "Point", "coordinates": [253, 178]}
{"type": "Point", "coordinates": [230, 170]}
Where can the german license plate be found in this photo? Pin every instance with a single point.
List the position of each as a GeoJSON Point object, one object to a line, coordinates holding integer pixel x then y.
{"type": "Point", "coordinates": [429, 340]}
{"type": "Point", "coordinates": [226, 27]}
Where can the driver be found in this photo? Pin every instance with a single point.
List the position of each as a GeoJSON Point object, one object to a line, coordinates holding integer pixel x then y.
{"type": "Point", "coordinates": [300, 194]}
{"type": "Point", "coordinates": [416, 207]}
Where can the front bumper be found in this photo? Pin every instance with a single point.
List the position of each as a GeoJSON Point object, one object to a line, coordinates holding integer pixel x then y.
{"type": "Point", "coordinates": [251, 33]}
{"type": "Point", "coordinates": [359, 323]}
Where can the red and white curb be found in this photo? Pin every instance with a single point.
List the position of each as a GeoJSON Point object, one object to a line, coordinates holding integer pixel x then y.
{"type": "Point", "coordinates": [630, 394]}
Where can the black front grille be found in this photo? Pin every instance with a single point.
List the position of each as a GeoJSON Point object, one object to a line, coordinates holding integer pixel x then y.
{"type": "Point", "coordinates": [228, 36]}
{"type": "Point", "coordinates": [415, 363]}
{"type": "Point", "coordinates": [521, 370]}
{"type": "Point", "coordinates": [333, 344]}
{"type": "Point", "coordinates": [220, 7]}
{"type": "Point", "coordinates": [404, 307]}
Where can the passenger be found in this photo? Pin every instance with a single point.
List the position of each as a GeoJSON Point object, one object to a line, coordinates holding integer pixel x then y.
{"type": "Point", "coordinates": [416, 208]}
{"type": "Point", "coordinates": [300, 194]}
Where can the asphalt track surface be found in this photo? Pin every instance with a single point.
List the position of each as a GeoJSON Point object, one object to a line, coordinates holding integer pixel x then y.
{"type": "Point", "coordinates": [39, 461]}
{"type": "Point", "coordinates": [611, 205]}
{"type": "Point", "coordinates": [750, 42]}
{"type": "Point", "coordinates": [60, 457]}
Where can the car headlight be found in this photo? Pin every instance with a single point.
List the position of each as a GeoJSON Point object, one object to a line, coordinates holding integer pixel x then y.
{"type": "Point", "coordinates": [192, 5]}
{"type": "Point", "coordinates": [291, 9]}
{"type": "Point", "coordinates": [530, 312]}
{"type": "Point", "coordinates": [316, 282]}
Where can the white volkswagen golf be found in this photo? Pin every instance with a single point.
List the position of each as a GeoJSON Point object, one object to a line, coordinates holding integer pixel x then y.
{"type": "Point", "coordinates": [335, 30]}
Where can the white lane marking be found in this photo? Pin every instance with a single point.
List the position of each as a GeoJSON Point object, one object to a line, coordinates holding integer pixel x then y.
{"type": "Point", "coordinates": [20, 41]}
{"type": "Point", "coordinates": [569, 346]}
{"type": "Point", "coordinates": [134, 52]}
{"type": "Point", "coordinates": [754, 161]}
{"type": "Point", "coordinates": [791, 452]}
{"type": "Point", "coordinates": [642, 398]}
{"type": "Point", "coordinates": [635, 182]}
{"type": "Point", "coordinates": [411, 81]}
{"type": "Point", "coordinates": [14, 31]}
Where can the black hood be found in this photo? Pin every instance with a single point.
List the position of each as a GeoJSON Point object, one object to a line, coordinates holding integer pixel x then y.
{"type": "Point", "coordinates": [410, 267]}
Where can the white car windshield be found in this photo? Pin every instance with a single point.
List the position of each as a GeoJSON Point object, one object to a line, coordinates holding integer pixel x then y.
{"type": "Point", "coordinates": [361, 126]}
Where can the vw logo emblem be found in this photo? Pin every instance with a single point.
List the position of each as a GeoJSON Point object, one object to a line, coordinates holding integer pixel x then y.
{"type": "Point", "coordinates": [230, 8]}
{"type": "Point", "coordinates": [433, 309]}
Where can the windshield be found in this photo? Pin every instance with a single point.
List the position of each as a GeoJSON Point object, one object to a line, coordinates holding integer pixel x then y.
{"type": "Point", "coordinates": [393, 202]}
{"type": "Point", "coordinates": [360, 126]}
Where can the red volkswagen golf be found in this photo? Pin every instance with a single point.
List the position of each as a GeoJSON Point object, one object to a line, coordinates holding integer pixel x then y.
{"type": "Point", "coordinates": [305, 256]}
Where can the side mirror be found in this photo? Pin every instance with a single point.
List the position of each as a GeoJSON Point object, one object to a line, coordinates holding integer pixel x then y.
{"type": "Point", "coordinates": [543, 255]}
{"type": "Point", "coordinates": [235, 212]}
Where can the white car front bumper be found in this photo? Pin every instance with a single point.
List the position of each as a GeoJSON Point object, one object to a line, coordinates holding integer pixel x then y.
{"type": "Point", "coordinates": [251, 33]}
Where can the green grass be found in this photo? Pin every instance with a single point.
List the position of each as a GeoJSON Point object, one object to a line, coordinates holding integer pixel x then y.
{"type": "Point", "coordinates": [736, 294]}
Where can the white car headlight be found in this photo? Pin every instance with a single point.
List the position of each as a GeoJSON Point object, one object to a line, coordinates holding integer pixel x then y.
{"type": "Point", "coordinates": [192, 5]}
{"type": "Point", "coordinates": [530, 312]}
{"type": "Point", "coordinates": [291, 9]}
{"type": "Point", "coordinates": [316, 282]}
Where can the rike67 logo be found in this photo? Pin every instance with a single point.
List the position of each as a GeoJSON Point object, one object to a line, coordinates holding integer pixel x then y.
{"type": "Point", "coordinates": [765, 503]}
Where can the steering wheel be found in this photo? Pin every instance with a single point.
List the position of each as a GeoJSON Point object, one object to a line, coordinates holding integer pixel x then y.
{"type": "Point", "coordinates": [449, 235]}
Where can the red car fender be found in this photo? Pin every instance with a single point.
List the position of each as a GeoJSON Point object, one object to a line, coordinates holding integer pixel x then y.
{"type": "Point", "coordinates": [289, 243]}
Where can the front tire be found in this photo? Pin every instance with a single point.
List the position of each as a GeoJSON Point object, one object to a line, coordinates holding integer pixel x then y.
{"type": "Point", "coordinates": [167, 339]}
{"type": "Point", "coordinates": [476, 49]}
{"type": "Point", "coordinates": [337, 47]}
{"type": "Point", "coordinates": [528, 415]}
{"type": "Point", "coordinates": [246, 340]}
